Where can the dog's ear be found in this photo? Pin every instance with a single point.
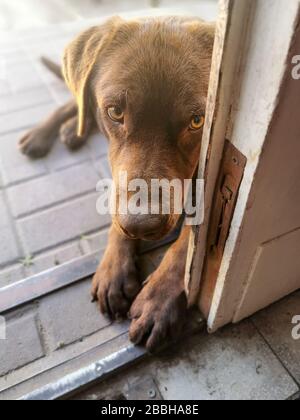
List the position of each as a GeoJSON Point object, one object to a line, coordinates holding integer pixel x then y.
{"type": "Point", "coordinates": [204, 32]}
{"type": "Point", "coordinates": [79, 61]}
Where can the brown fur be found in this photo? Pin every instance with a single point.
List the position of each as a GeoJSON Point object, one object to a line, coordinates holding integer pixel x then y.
{"type": "Point", "coordinates": [157, 71]}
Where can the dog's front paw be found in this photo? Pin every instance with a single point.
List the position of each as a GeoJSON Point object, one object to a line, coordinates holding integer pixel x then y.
{"type": "Point", "coordinates": [116, 284]}
{"type": "Point", "coordinates": [68, 135]}
{"type": "Point", "coordinates": [36, 143]}
{"type": "Point", "coordinates": [159, 311]}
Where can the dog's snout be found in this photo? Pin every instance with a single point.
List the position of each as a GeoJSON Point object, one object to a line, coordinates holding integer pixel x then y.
{"type": "Point", "coordinates": [143, 226]}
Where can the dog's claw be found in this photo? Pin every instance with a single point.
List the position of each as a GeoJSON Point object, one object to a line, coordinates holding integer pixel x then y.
{"type": "Point", "coordinates": [115, 286]}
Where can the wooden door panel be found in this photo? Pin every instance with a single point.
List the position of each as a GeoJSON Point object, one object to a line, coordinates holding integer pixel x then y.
{"type": "Point", "coordinates": [275, 273]}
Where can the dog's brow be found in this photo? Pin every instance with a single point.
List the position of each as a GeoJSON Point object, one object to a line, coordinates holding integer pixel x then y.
{"type": "Point", "coordinates": [111, 98]}
{"type": "Point", "coordinates": [197, 107]}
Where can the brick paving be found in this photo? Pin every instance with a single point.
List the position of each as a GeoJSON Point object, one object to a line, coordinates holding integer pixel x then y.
{"type": "Point", "coordinates": [47, 206]}
{"type": "Point", "coordinates": [26, 345]}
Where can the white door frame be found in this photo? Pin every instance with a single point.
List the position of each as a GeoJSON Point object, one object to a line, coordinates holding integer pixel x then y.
{"type": "Point", "coordinates": [242, 100]}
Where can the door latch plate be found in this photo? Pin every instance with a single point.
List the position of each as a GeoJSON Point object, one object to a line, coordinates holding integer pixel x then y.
{"type": "Point", "coordinates": [227, 188]}
{"type": "Point", "coordinates": [225, 199]}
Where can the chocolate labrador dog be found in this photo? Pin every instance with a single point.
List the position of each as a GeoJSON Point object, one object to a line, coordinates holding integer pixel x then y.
{"type": "Point", "coordinates": [144, 84]}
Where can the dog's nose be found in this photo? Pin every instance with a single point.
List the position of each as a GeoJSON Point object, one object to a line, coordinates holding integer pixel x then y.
{"type": "Point", "coordinates": [144, 226]}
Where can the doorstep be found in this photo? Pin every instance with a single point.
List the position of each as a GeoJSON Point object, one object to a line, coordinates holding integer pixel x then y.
{"type": "Point", "coordinates": [56, 336]}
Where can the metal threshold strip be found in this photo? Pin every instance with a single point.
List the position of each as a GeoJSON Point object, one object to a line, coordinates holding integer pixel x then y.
{"type": "Point", "coordinates": [34, 287]}
{"type": "Point", "coordinates": [81, 378]}
{"type": "Point", "coordinates": [100, 369]}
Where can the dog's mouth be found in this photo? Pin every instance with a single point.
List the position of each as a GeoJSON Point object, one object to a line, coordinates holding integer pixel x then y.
{"type": "Point", "coordinates": [151, 236]}
{"type": "Point", "coordinates": [125, 232]}
{"type": "Point", "coordinates": [155, 236]}
{"type": "Point", "coordinates": [147, 234]}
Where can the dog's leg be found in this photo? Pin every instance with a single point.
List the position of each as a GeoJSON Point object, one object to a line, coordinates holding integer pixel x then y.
{"type": "Point", "coordinates": [37, 142]}
{"type": "Point", "coordinates": [68, 133]}
{"type": "Point", "coordinates": [160, 309]}
{"type": "Point", "coordinates": [116, 283]}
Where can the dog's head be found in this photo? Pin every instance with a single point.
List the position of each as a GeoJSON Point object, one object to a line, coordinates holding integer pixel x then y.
{"type": "Point", "coordinates": [145, 82]}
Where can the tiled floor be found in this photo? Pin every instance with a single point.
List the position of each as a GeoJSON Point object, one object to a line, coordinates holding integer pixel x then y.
{"type": "Point", "coordinates": [37, 197]}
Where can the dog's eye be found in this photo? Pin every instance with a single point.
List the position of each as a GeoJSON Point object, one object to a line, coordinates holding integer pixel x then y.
{"type": "Point", "coordinates": [116, 113]}
{"type": "Point", "coordinates": [197, 122]}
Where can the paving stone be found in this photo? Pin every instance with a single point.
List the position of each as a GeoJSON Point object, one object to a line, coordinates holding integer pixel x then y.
{"type": "Point", "coordinates": [61, 224]}
{"type": "Point", "coordinates": [18, 64]}
{"type": "Point", "coordinates": [75, 316]}
{"type": "Point", "coordinates": [74, 28]}
{"type": "Point", "coordinates": [53, 54]}
{"type": "Point", "coordinates": [8, 245]}
{"type": "Point", "coordinates": [23, 76]}
{"type": "Point", "coordinates": [275, 324]}
{"type": "Point", "coordinates": [22, 344]}
{"type": "Point", "coordinates": [59, 92]}
{"type": "Point", "coordinates": [13, 54]}
{"type": "Point", "coordinates": [106, 7]}
{"type": "Point", "coordinates": [56, 187]}
{"type": "Point", "coordinates": [18, 101]}
{"type": "Point", "coordinates": [95, 242]}
{"type": "Point", "coordinates": [56, 44]}
{"type": "Point", "coordinates": [233, 364]}
{"type": "Point", "coordinates": [60, 157]}
{"type": "Point", "coordinates": [53, 258]}
{"type": "Point", "coordinates": [47, 33]}
{"type": "Point", "coordinates": [103, 167]}
{"type": "Point", "coordinates": [31, 13]}
{"type": "Point", "coordinates": [4, 88]}
{"type": "Point", "coordinates": [98, 145]}
{"type": "Point", "coordinates": [71, 10]}
{"type": "Point", "coordinates": [11, 275]}
{"type": "Point", "coordinates": [8, 41]}
{"type": "Point", "coordinates": [3, 67]}
{"type": "Point", "coordinates": [14, 166]}
{"type": "Point", "coordinates": [24, 118]}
